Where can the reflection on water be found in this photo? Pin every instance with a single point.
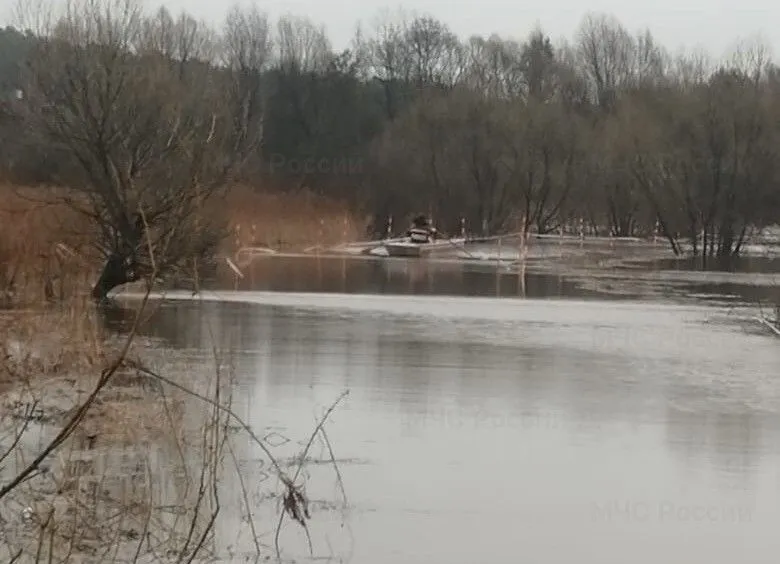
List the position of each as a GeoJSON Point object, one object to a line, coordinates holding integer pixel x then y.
{"type": "Point", "coordinates": [744, 264]}
{"type": "Point", "coordinates": [392, 276]}
{"type": "Point", "coordinates": [592, 274]}
{"type": "Point", "coordinates": [406, 277]}
{"type": "Point", "coordinates": [493, 429]}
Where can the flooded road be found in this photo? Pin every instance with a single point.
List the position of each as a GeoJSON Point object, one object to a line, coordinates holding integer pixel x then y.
{"type": "Point", "coordinates": [574, 425]}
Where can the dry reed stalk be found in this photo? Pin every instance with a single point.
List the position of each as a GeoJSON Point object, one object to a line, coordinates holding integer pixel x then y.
{"type": "Point", "coordinates": [44, 246]}
{"type": "Point", "coordinates": [293, 221]}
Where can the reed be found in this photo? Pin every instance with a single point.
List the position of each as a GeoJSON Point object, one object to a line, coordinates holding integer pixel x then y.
{"type": "Point", "coordinates": [288, 221]}
{"type": "Point", "coordinates": [45, 251]}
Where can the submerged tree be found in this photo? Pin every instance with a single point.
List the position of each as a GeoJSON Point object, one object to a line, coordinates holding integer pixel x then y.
{"type": "Point", "coordinates": [150, 128]}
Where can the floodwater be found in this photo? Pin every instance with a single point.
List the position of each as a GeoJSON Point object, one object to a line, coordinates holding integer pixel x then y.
{"type": "Point", "coordinates": [501, 417]}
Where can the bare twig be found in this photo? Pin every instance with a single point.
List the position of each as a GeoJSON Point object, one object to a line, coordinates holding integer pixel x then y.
{"type": "Point", "coordinates": [27, 418]}
{"type": "Point", "coordinates": [335, 465]}
{"type": "Point", "coordinates": [215, 450]}
{"type": "Point", "coordinates": [211, 402]}
{"type": "Point", "coordinates": [293, 497]}
{"type": "Point", "coordinates": [142, 537]}
{"type": "Point", "coordinates": [768, 324]}
{"type": "Point", "coordinates": [245, 497]}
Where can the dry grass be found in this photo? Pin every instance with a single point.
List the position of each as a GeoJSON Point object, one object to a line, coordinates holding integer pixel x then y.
{"type": "Point", "coordinates": [43, 343]}
{"type": "Point", "coordinates": [94, 497]}
{"type": "Point", "coordinates": [44, 246]}
{"type": "Point", "coordinates": [45, 251]}
{"type": "Point", "coordinates": [289, 222]}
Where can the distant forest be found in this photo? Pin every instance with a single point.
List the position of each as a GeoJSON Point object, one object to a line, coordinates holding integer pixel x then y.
{"type": "Point", "coordinates": [608, 128]}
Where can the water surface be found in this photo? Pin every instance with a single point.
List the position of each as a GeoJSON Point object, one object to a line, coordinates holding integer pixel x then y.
{"type": "Point", "coordinates": [550, 424]}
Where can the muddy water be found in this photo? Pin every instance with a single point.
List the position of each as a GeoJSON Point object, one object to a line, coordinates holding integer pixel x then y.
{"type": "Point", "coordinates": [568, 426]}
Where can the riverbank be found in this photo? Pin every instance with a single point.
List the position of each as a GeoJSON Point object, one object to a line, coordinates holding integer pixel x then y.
{"type": "Point", "coordinates": [113, 447]}
{"type": "Point", "coordinates": [136, 472]}
{"type": "Point", "coordinates": [91, 493]}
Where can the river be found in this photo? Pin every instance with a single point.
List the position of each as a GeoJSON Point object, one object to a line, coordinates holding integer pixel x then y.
{"type": "Point", "coordinates": [492, 417]}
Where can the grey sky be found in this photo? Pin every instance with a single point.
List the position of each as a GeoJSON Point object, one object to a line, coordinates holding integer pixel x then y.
{"type": "Point", "coordinates": [712, 24]}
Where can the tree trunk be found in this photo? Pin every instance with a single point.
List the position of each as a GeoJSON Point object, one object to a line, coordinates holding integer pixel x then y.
{"type": "Point", "coordinates": [117, 271]}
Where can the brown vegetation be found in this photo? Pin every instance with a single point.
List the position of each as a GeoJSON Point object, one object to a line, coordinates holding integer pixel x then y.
{"type": "Point", "coordinates": [288, 221]}
{"type": "Point", "coordinates": [146, 132]}
{"type": "Point", "coordinates": [44, 246]}
{"type": "Point", "coordinates": [608, 128]}
{"type": "Point", "coordinates": [125, 438]}
{"type": "Point", "coordinates": [47, 253]}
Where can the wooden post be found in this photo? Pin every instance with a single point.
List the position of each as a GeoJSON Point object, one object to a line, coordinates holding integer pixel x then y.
{"type": "Point", "coordinates": [523, 240]}
{"type": "Point", "coordinates": [320, 236]}
{"type": "Point", "coordinates": [521, 274]}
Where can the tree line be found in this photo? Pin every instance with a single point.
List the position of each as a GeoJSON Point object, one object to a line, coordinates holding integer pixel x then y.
{"type": "Point", "coordinates": [146, 110]}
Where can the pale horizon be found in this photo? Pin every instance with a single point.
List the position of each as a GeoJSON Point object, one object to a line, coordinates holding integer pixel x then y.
{"type": "Point", "coordinates": [712, 26]}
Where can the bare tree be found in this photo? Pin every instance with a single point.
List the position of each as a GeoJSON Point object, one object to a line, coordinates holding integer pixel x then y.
{"type": "Point", "coordinates": [539, 66]}
{"type": "Point", "coordinates": [435, 53]}
{"type": "Point", "coordinates": [302, 46]}
{"type": "Point", "coordinates": [544, 147]}
{"type": "Point", "coordinates": [137, 108]}
{"type": "Point", "coordinates": [691, 69]}
{"type": "Point", "coordinates": [573, 83]}
{"type": "Point", "coordinates": [606, 52]}
{"type": "Point", "coordinates": [703, 155]}
{"type": "Point", "coordinates": [651, 62]}
{"type": "Point", "coordinates": [389, 61]}
{"type": "Point", "coordinates": [494, 67]}
{"type": "Point", "coordinates": [247, 50]}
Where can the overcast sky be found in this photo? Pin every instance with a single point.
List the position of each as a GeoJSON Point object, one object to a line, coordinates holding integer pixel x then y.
{"type": "Point", "coordinates": [715, 25]}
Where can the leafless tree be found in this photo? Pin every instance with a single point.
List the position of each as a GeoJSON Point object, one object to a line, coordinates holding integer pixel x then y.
{"type": "Point", "coordinates": [494, 67]}
{"type": "Point", "coordinates": [246, 53]}
{"type": "Point", "coordinates": [137, 108]}
{"type": "Point", "coordinates": [302, 46]}
{"type": "Point", "coordinates": [606, 53]}
{"type": "Point", "coordinates": [539, 66]}
{"type": "Point", "coordinates": [388, 60]}
{"type": "Point", "coordinates": [436, 55]}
